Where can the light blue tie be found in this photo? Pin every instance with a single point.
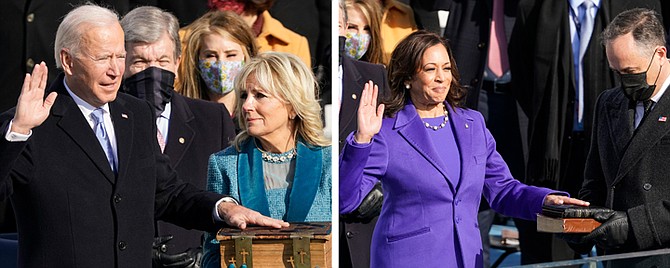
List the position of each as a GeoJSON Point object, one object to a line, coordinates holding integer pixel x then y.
{"type": "Point", "coordinates": [585, 31]}
{"type": "Point", "coordinates": [103, 138]}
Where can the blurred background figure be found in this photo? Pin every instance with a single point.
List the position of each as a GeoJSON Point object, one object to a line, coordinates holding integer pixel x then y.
{"type": "Point", "coordinates": [397, 23]}
{"type": "Point", "coordinates": [363, 34]}
{"type": "Point", "coordinates": [270, 33]}
{"type": "Point", "coordinates": [216, 46]}
{"type": "Point", "coordinates": [280, 163]}
{"type": "Point", "coordinates": [188, 130]}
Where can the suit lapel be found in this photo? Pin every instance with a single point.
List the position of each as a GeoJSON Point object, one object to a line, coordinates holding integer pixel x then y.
{"type": "Point", "coordinates": [411, 128]}
{"type": "Point", "coordinates": [77, 127]}
{"type": "Point", "coordinates": [180, 132]}
{"type": "Point", "coordinates": [306, 181]}
{"type": "Point", "coordinates": [462, 125]}
{"type": "Point", "coordinates": [350, 93]}
{"type": "Point", "coordinates": [649, 132]}
{"type": "Point", "coordinates": [122, 119]}
{"type": "Point", "coordinates": [250, 179]}
{"type": "Point", "coordinates": [618, 116]}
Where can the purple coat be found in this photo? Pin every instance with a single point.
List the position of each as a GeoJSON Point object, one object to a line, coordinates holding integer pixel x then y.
{"type": "Point", "coordinates": [427, 219]}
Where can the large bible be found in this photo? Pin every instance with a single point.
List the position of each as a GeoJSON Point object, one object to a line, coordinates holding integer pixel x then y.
{"type": "Point", "coordinates": [302, 245]}
{"type": "Point", "coordinates": [568, 219]}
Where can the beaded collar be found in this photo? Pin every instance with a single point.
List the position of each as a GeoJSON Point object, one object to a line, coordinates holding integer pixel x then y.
{"type": "Point", "coordinates": [276, 158]}
{"type": "Point", "coordinates": [443, 124]}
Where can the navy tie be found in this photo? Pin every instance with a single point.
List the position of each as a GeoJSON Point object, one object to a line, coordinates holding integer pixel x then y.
{"type": "Point", "coordinates": [103, 138]}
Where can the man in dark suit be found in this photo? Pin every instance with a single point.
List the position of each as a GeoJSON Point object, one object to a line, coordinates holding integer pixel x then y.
{"type": "Point", "coordinates": [543, 53]}
{"type": "Point", "coordinates": [627, 164]}
{"type": "Point", "coordinates": [191, 130]}
{"type": "Point", "coordinates": [356, 228]}
{"type": "Point", "coordinates": [83, 167]}
{"type": "Point", "coordinates": [26, 37]}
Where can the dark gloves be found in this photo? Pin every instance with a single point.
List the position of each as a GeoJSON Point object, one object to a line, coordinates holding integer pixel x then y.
{"type": "Point", "coordinates": [369, 208]}
{"type": "Point", "coordinates": [613, 233]}
{"type": "Point", "coordinates": [577, 242]}
{"type": "Point", "coordinates": [161, 259]}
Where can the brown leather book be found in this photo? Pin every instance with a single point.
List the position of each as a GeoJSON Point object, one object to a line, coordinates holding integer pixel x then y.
{"type": "Point", "coordinates": [565, 225]}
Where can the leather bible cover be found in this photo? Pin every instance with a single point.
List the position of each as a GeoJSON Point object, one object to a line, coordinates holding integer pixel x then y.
{"type": "Point", "coordinates": [565, 225]}
{"type": "Point", "coordinates": [571, 211]}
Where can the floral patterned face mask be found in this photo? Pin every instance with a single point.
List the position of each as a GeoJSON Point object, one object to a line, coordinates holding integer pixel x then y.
{"type": "Point", "coordinates": [356, 44]}
{"type": "Point", "coordinates": [219, 75]}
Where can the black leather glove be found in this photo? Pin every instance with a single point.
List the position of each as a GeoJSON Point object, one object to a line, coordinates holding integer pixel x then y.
{"type": "Point", "coordinates": [614, 231]}
{"type": "Point", "coordinates": [577, 242]}
{"type": "Point", "coordinates": [161, 259]}
{"type": "Point", "coordinates": [370, 207]}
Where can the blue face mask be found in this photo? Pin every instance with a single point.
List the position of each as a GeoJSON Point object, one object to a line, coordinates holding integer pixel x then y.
{"type": "Point", "coordinates": [219, 76]}
{"type": "Point", "coordinates": [356, 44]}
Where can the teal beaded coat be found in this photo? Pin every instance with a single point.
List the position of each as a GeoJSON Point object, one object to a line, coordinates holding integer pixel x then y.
{"type": "Point", "coordinates": [240, 175]}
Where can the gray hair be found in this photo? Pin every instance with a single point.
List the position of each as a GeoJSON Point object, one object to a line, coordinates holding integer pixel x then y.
{"type": "Point", "coordinates": [644, 24]}
{"type": "Point", "coordinates": [147, 24]}
{"type": "Point", "coordinates": [71, 29]}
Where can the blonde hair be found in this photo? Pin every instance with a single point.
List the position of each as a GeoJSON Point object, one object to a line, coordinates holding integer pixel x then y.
{"type": "Point", "coordinates": [286, 77]}
{"type": "Point", "coordinates": [227, 24]}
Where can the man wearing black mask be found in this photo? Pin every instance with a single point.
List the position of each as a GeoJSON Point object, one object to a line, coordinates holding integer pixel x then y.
{"type": "Point", "coordinates": [188, 130]}
{"type": "Point", "coordinates": [627, 168]}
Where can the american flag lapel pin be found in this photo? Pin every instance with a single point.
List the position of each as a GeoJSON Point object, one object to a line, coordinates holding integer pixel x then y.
{"type": "Point", "coordinates": [124, 116]}
{"type": "Point", "coordinates": [662, 118]}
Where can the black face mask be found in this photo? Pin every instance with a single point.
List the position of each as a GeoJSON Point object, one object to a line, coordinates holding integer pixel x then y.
{"type": "Point", "coordinates": [341, 42]}
{"type": "Point", "coordinates": [154, 85]}
{"type": "Point", "coordinates": [635, 86]}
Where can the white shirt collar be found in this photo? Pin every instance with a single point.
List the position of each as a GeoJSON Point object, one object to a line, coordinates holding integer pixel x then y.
{"type": "Point", "coordinates": [664, 86]}
{"type": "Point", "coordinates": [167, 111]}
{"type": "Point", "coordinates": [574, 5]}
{"type": "Point", "coordinates": [84, 106]}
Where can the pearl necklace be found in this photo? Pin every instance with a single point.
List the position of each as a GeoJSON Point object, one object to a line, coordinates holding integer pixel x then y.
{"type": "Point", "coordinates": [276, 158]}
{"type": "Point", "coordinates": [443, 124]}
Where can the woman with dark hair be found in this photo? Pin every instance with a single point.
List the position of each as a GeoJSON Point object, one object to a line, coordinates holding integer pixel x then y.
{"type": "Point", "coordinates": [435, 159]}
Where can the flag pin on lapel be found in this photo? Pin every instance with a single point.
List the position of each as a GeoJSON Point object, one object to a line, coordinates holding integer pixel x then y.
{"type": "Point", "coordinates": [662, 118]}
{"type": "Point", "coordinates": [124, 116]}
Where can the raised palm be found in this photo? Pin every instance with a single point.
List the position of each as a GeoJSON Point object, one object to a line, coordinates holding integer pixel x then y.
{"type": "Point", "coordinates": [369, 114]}
{"type": "Point", "coordinates": [32, 108]}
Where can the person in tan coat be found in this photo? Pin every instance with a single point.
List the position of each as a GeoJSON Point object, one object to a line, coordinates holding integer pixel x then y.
{"type": "Point", "coordinates": [397, 23]}
{"type": "Point", "coordinates": [271, 35]}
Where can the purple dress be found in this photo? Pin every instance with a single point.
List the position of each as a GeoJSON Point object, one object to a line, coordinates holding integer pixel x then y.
{"type": "Point", "coordinates": [429, 216]}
